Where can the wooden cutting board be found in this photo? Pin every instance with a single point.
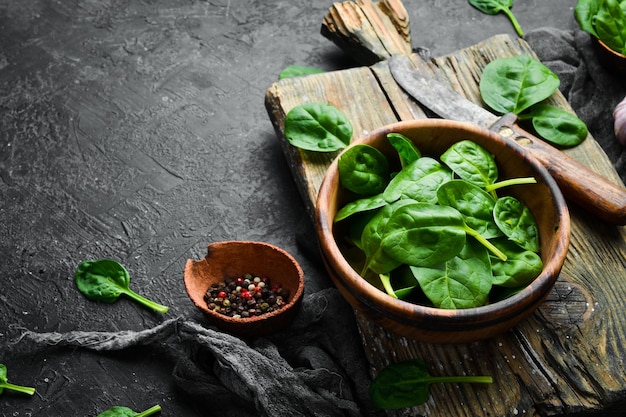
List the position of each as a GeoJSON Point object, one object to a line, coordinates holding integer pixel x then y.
{"type": "Point", "coordinates": [570, 356]}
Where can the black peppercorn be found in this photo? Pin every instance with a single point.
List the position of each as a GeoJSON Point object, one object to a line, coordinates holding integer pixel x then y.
{"type": "Point", "coordinates": [245, 296]}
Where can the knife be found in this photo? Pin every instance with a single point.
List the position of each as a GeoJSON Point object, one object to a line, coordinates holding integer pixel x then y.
{"type": "Point", "coordinates": [579, 184]}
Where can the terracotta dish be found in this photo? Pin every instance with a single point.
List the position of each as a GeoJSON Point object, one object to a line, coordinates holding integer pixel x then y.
{"type": "Point", "coordinates": [432, 137]}
{"type": "Point", "coordinates": [231, 259]}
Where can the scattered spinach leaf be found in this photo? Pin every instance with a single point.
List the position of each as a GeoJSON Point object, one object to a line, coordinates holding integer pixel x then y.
{"type": "Point", "coordinates": [297, 71]}
{"type": "Point", "coordinates": [5, 384]}
{"type": "Point", "coordinates": [119, 411]}
{"type": "Point", "coordinates": [556, 125]}
{"type": "Point", "coordinates": [317, 127]}
{"type": "Point", "coordinates": [518, 85]}
{"type": "Point", "coordinates": [513, 84]}
{"type": "Point", "coordinates": [405, 384]}
{"type": "Point", "coordinates": [407, 151]}
{"type": "Point", "coordinates": [363, 169]}
{"type": "Point", "coordinates": [498, 6]}
{"type": "Point", "coordinates": [517, 222]}
{"type": "Point", "coordinates": [461, 282]}
{"type": "Point", "coordinates": [105, 280]}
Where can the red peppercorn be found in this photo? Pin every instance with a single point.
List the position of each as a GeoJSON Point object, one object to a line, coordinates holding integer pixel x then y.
{"type": "Point", "coordinates": [245, 294]}
{"type": "Point", "coordinates": [257, 289]}
{"type": "Point", "coordinates": [239, 281]}
{"type": "Point", "coordinates": [222, 294]}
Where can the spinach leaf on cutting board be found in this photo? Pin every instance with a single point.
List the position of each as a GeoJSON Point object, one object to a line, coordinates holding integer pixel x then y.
{"type": "Point", "coordinates": [317, 127]}
{"type": "Point", "coordinates": [519, 85]}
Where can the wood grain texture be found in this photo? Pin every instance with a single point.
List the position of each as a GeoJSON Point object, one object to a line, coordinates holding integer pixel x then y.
{"type": "Point", "coordinates": [569, 357]}
{"type": "Point", "coordinates": [369, 31]}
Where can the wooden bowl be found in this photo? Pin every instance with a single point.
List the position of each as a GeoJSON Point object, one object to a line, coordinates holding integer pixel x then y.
{"type": "Point", "coordinates": [233, 259]}
{"type": "Point", "coordinates": [429, 324]}
{"type": "Point", "coordinates": [612, 60]}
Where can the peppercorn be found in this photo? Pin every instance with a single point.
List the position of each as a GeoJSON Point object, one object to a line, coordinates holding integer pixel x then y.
{"type": "Point", "coordinates": [245, 296]}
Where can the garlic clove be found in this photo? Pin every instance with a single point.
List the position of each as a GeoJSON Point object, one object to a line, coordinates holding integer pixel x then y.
{"type": "Point", "coordinates": [619, 114]}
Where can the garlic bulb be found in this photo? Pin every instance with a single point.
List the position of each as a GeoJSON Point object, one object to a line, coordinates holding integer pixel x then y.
{"type": "Point", "coordinates": [619, 114]}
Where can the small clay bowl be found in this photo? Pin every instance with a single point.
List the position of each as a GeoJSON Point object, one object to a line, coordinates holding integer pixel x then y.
{"type": "Point", "coordinates": [430, 324]}
{"type": "Point", "coordinates": [612, 60]}
{"type": "Point", "coordinates": [232, 259]}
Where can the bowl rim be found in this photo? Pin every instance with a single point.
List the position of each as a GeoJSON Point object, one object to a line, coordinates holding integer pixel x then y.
{"type": "Point", "coordinates": [292, 303]}
{"type": "Point", "coordinates": [608, 49]}
{"type": "Point", "coordinates": [404, 311]}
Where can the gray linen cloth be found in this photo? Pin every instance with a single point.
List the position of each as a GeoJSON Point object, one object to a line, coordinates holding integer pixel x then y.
{"type": "Point", "coordinates": [592, 91]}
{"type": "Point", "coordinates": [317, 366]}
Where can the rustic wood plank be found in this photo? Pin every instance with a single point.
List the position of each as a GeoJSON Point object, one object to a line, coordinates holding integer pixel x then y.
{"type": "Point", "coordinates": [566, 359]}
{"type": "Point", "coordinates": [369, 31]}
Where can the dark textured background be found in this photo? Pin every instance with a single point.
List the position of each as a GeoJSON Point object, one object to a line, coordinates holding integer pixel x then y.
{"type": "Point", "coordinates": [136, 130]}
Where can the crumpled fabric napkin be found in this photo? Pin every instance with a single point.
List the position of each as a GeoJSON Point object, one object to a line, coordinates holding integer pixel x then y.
{"type": "Point", "coordinates": [591, 90]}
{"type": "Point", "coordinates": [305, 370]}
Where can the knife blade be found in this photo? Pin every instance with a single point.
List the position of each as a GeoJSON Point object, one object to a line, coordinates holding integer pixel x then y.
{"type": "Point", "coordinates": [578, 183]}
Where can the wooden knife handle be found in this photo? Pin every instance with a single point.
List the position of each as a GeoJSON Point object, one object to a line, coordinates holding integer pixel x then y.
{"type": "Point", "coordinates": [579, 184]}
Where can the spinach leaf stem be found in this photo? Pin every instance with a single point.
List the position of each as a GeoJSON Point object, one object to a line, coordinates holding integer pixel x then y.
{"type": "Point", "coordinates": [485, 242]}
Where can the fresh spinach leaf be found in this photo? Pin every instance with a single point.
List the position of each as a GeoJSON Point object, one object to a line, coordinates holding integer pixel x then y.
{"type": "Point", "coordinates": [297, 71]}
{"type": "Point", "coordinates": [474, 203]}
{"type": "Point", "coordinates": [400, 282]}
{"type": "Point", "coordinates": [397, 232]}
{"type": "Point", "coordinates": [511, 85]}
{"type": "Point", "coordinates": [363, 170]}
{"type": "Point", "coordinates": [5, 384]}
{"type": "Point", "coordinates": [418, 181]}
{"type": "Point", "coordinates": [471, 162]}
{"type": "Point", "coordinates": [461, 282]}
{"type": "Point", "coordinates": [317, 127]}
{"type": "Point", "coordinates": [358, 206]}
{"type": "Point", "coordinates": [118, 411]}
{"type": "Point", "coordinates": [376, 259]}
{"type": "Point", "coordinates": [357, 224]}
{"type": "Point", "coordinates": [610, 24]}
{"type": "Point", "coordinates": [423, 234]}
{"type": "Point", "coordinates": [556, 125]}
{"type": "Point", "coordinates": [405, 384]}
{"type": "Point", "coordinates": [498, 6]}
{"type": "Point", "coordinates": [105, 280]}
{"type": "Point", "coordinates": [519, 84]}
{"type": "Point", "coordinates": [585, 12]}
{"type": "Point", "coordinates": [517, 222]}
{"type": "Point", "coordinates": [407, 151]}
{"type": "Point", "coordinates": [519, 269]}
